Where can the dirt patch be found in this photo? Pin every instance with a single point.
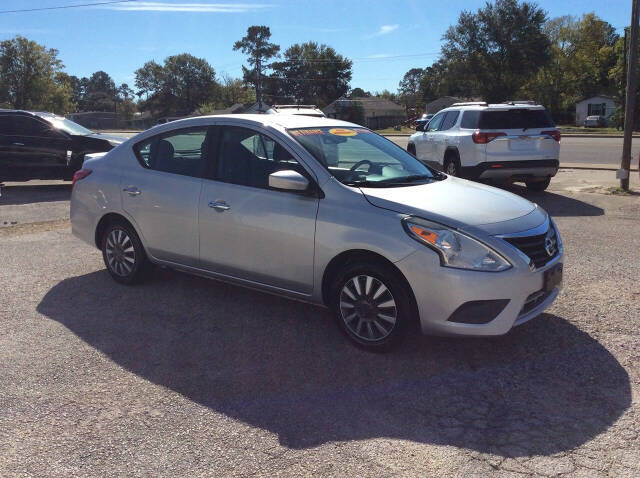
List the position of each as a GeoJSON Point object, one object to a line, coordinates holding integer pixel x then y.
{"type": "Point", "coordinates": [32, 227]}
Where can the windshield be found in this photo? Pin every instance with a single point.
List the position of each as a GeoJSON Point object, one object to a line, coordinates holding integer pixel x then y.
{"type": "Point", "coordinates": [68, 126]}
{"type": "Point", "coordinates": [359, 157]}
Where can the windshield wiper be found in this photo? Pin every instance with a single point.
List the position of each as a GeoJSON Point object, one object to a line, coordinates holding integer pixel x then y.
{"type": "Point", "coordinates": [407, 179]}
{"type": "Point", "coordinates": [363, 183]}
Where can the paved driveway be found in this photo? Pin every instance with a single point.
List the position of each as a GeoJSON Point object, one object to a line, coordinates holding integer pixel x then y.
{"type": "Point", "coordinates": [184, 376]}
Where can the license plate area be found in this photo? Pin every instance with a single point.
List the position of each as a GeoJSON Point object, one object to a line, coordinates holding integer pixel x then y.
{"type": "Point", "coordinates": [553, 277]}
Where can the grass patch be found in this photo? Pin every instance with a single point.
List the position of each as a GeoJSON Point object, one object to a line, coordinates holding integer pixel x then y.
{"type": "Point", "coordinates": [618, 191]}
{"type": "Point", "coordinates": [582, 130]}
{"type": "Point", "coordinates": [403, 130]}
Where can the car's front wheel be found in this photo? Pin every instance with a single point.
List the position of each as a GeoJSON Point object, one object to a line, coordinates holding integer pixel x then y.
{"type": "Point", "coordinates": [538, 185]}
{"type": "Point", "coordinates": [372, 305]}
{"type": "Point", "coordinates": [123, 253]}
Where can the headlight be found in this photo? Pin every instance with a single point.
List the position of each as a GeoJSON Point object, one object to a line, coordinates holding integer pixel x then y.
{"type": "Point", "coordinates": [455, 248]}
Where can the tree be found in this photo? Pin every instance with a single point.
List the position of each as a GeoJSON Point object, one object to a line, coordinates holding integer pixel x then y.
{"type": "Point", "coordinates": [100, 92]}
{"type": "Point", "coordinates": [181, 85]}
{"type": "Point", "coordinates": [359, 93]}
{"type": "Point", "coordinates": [583, 63]}
{"type": "Point", "coordinates": [409, 89]}
{"type": "Point", "coordinates": [31, 77]}
{"type": "Point", "coordinates": [311, 74]}
{"type": "Point", "coordinates": [498, 48]}
{"type": "Point", "coordinates": [233, 90]}
{"type": "Point", "coordinates": [257, 46]}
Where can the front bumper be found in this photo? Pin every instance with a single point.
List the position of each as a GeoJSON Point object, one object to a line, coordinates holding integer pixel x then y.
{"type": "Point", "coordinates": [440, 291]}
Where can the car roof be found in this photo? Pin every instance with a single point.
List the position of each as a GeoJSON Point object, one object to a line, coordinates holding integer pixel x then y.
{"type": "Point", "coordinates": [288, 120]}
{"type": "Point", "coordinates": [494, 106]}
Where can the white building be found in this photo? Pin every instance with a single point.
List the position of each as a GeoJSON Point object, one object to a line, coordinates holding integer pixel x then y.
{"type": "Point", "coordinates": [595, 106]}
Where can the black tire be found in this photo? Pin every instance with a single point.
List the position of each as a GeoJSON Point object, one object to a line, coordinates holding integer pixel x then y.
{"type": "Point", "coordinates": [373, 303]}
{"type": "Point", "coordinates": [125, 266]}
{"type": "Point", "coordinates": [538, 186]}
{"type": "Point", "coordinates": [411, 149]}
{"type": "Point", "coordinates": [451, 164]}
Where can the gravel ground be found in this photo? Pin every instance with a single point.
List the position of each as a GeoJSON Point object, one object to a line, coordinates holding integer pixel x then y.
{"type": "Point", "coordinates": [184, 376]}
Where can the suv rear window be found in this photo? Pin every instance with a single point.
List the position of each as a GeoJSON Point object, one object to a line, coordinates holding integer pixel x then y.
{"type": "Point", "coordinates": [516, 118]}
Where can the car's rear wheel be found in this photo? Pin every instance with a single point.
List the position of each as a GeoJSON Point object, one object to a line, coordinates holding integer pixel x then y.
{"type": "Point", "coordinates": [123, 253]}
{"type": "Point", "coordinates": [452, 164]}
{"type": "Point", "coordinates": [538, 185]}
{"type": "Point", "coordinates": [372, 305]}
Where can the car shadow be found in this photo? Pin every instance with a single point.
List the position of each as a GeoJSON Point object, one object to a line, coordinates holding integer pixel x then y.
{"type": "Point", "coordinates": [29, 194]}
{"type": "Point", "coordinates": [283, 366]}
{"type": "Point", "coordinates": [555, 204]}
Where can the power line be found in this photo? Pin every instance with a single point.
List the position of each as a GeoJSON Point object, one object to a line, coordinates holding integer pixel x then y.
{"type": "Point", "coordinates": [358, 60]}
{"type": "Point", "coordinates": [60, 7]}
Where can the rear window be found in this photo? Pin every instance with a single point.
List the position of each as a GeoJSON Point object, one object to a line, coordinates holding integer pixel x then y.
{"type": "Point", "coordinates": [517, 118]}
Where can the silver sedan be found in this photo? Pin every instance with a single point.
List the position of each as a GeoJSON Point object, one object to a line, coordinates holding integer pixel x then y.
{"type": "Point", "coordinates": [323, 211]}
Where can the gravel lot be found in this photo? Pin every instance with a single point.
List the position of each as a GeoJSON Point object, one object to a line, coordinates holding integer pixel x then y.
{"type": "Point", "coordinates": [184, 376]}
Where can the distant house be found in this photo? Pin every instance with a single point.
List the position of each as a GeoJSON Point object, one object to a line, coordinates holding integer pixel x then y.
{"type": "Point", "coordinates": [601, 105]}
{"type": "Point", "coordinates": [441, 103]}
{"type": "Point", "coordinates": [96, 119]}
{"type": "Point", "coordinates": [374, 112]}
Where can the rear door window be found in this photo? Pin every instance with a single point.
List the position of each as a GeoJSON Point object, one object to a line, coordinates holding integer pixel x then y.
{"type": "Point", "coordinates": [182, 152]}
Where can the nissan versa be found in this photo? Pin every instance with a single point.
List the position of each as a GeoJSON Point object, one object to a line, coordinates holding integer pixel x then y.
{"type": "Point", "coordinates": [324, 211]}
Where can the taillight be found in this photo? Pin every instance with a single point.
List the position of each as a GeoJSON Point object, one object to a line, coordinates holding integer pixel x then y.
{"type": "Point", "coordinates": [484, 138]}
{"type": "Point", "coordinates": [555, 134]}
{"type": "Point", "coordinates": [80, 174]}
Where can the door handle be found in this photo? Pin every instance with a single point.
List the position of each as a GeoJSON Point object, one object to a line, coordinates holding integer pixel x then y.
{"type": "Point", "coordinates": [219, 205]}
{"type": "Point", "coordinates": [132, 191]}
{"type": "Point", "coordinates": [18, 144]}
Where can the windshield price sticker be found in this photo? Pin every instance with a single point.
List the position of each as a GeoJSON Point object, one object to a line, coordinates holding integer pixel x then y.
{"type": "Point", "coordinates": [343, 132]}
{"type": "Point", "coordinates": [306, 132]}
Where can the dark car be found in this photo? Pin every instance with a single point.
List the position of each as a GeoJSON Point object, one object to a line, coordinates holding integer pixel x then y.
{"type": "Point", "coordinates": [35, 145]}
{"type": "Point", "coordinates": [422, 122]}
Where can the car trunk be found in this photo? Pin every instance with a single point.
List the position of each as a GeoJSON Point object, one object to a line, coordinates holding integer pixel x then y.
{"type": "Point", "coordinates": [525, 134]}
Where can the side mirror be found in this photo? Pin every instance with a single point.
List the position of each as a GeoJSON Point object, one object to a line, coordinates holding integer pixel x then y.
{"type": "Point", "coordinates": [288, 180]}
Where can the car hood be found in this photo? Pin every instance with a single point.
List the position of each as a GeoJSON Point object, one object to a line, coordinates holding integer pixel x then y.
{"type": "Point", "coordinates": [460, 203]}
{"type": "Point", "coordinates": [113, 138]}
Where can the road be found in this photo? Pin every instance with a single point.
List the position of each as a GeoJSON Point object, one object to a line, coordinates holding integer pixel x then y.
{"type": "Point", "coordinates": [580, 150]}
{"type": "Point", "coordinates": [183, 376]}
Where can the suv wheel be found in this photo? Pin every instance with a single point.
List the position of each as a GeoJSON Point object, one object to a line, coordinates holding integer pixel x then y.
{"type": "Point", "coordinates": [538, 185]}
{"type": "Point", "coordinates": [452, 164]}
{"type": "Point", "coordinates": [411, 149]}
{"type": "Point", "coordinates": [372, 305]}
{"type": "Point", "coordinates": [123, 253]}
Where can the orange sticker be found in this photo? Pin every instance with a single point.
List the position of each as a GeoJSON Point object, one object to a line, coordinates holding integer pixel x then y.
{"type": "Point", "coordinates": [343, 132]}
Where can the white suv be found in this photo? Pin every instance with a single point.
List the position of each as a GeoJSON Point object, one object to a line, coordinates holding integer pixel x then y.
{"type": "Point", "coordinates": [510, 142]}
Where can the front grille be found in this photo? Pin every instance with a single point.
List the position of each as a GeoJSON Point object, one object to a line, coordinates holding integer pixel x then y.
{"type": "Point", "coordinates": [535, 247]}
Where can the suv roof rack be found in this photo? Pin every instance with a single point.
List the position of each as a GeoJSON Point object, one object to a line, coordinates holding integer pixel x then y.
{"type": "Point", "coordinates": [311, 107]}
{"type": "Point", "coordinates": [471, 103]}
{"type": "Point", "coordinates": [519, 102]}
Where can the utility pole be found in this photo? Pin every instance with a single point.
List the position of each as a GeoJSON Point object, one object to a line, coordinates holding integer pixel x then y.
{"type": "Point", "coordinates": [632, 76]}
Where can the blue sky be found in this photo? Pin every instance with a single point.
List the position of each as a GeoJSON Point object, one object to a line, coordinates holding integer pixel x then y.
{"type": "Point", "coordinates": [385, 38]}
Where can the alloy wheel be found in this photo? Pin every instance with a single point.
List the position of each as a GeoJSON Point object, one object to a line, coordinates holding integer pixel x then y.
{"type": "Point", "coordinates": [120, 253]}
{"type": "Point", "coordinates": [368, 308]}
{"type": "Point", "coordinates": [451, 169]}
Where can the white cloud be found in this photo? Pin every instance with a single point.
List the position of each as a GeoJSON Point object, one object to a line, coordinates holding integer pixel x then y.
{"type": "Point", "coordinates": [385, 29]}
{"type": "Point", "coordinates": [186, 7]}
